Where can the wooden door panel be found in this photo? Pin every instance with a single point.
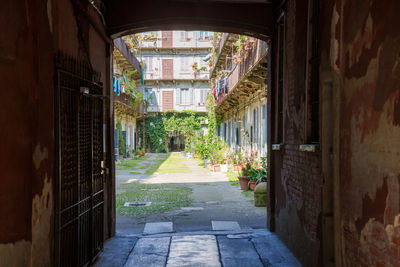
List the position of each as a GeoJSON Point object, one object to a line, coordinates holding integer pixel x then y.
{"type": "Point", "coordinates": [167, 100]}
{"type": "Point", "coordinates": [167, 68]}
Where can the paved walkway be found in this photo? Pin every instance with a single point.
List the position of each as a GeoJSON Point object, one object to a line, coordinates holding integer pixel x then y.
{"type": "Point", "coordinates": [242, 248]}
{"type": "Point", "coordinates": [213, 198]}
{"type": "Point", "coordinates": [220, 228]}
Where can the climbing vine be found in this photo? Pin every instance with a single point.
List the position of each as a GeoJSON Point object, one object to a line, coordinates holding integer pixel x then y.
{"type": "Point", "coordinates": [121, 142]}
{"type": "Point", "coordinates": [159, 127]}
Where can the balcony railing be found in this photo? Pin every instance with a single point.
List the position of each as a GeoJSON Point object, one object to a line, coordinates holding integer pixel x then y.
{"type": "Point", "coordinates": [221, 45]}
{"type": "Point", "coordinates": [254, 55]}
{"type": "Point", "coordinates": [202, 75]}
{"type": "Point", "coordinates": [120, 44]}
{"type": "Point", "coordinates": [127, 100]}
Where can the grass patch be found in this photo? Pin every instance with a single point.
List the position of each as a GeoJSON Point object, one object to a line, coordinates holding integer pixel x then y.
{"type": "Point", "coordinates": [127, 164]}
{"type": "Point", "coordinates": [248, 193]}
{"type": "Point", "coordinates": [135, 173]}
{"type": "Point", "coordinates": [233, 176]}
{"type": "Point", "coordinates": [163, 156]}
{"type": "Point", "coordinates": [163, 197]}
{"type": "Point", "coordinates": [172, 163]}
{"type": "Point", "coordinates": [131, 163]}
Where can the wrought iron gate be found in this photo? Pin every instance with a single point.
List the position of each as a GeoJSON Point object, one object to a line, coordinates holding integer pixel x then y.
{"type": "Point", "coordinates": [79, 186]}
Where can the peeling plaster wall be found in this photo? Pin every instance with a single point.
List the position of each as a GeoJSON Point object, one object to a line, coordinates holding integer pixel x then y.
{"type": "Point", "coordinates": [31, 32]}
{"type": "Point", "coordinates": [26, 69]}
{"type": "Point", "coordinates": [368, 44]}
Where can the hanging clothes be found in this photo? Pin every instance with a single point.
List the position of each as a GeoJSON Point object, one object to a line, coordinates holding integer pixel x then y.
{"type": "Point", "coordinates": [116, 86]}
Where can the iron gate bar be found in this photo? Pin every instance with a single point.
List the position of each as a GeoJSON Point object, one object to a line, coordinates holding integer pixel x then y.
{"type": "Point", "coordinates": [80, 184]}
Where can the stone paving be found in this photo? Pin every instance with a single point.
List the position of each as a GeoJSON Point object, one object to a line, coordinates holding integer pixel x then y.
{"type": "Point", "coordinates": [221, 228]}
{"type": "Point", "coordinates": [242, 247]}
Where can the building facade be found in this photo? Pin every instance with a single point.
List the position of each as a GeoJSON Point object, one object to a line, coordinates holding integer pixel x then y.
{"type": "Point", "coordinates": [176, 74]}
{"type": "Point", "coordinates": [127, 73]}
{"type": "Point", "coordinates": [238, 82]}
{"type": "Point", "coordinates": [175, 71]}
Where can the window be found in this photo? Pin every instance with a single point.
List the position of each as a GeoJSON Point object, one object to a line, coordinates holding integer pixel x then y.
{"type": "Point", "coordinates": [312, 72]}
{"type": "Point", "coordinates": [279, 81]}
{"type": "Point", "coordinates": [205, 35]}
{"type": "Point", "coordinates": [185, 96]}
{"type": "Point", "coordinates": [185, 64]}
{"type": "Point", "coordinates": [184, 36]}
{"type": "Point", "coordinates": [147, 92]}
{"type": "Point", "coordinates": [148, 61]}
{"type": "Point", "coordinates": [265, 125]}
{"type": "Point", "coordinates": [203, 96]}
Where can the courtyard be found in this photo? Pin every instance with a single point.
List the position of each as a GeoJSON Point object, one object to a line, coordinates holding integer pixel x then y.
{"type": "Point", "coordinates": [183, 192]}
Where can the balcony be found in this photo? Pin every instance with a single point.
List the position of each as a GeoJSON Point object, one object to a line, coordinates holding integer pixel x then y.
{"type": "Point", "coordinates": [200, 75]}
{"type": "Point", "coordinates": [224, 49]}
{"type": "Point", "coordinates": [123, 103]}
{"type": "Point", "coordinates": [129, 61]}
{"type": "Point", "coordinates": [247, 77]}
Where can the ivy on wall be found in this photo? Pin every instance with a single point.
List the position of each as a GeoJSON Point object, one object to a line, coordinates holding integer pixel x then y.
{"type": "Point", "coordinates": [159, 127]}
{"type": "Point", "coordinates": [121, 141]}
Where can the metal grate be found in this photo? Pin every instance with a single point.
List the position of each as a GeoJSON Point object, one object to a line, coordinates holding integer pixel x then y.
{"type": "Point", "coordinates": [79, 184]}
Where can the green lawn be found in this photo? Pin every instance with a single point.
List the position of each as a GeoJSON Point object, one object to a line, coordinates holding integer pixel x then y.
{"type": "Point", "coordinates": [173, 163]}
{"type": "Point", "coordinates": [163, 197]}
{"type": "Point", "coordinates": [131, 163]}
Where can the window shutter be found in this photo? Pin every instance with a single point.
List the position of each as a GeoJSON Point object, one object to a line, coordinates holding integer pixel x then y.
{"type": "Point", "coordinates": [154, 98]}
{"type": "Point", "coordinates": [191, 96]}
{"type": "Point", "coordinates": [177, 96]}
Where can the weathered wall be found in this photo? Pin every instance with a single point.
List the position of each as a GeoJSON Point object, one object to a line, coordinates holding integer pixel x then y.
{"type": "Point", "coordinates": [364, 52]}
{"type": "Point", "coordinates": [26, 134]}
{"type": "Point", "coordinates": [298, 178]}
{"type": "Point", "coordinates": [31, 32]}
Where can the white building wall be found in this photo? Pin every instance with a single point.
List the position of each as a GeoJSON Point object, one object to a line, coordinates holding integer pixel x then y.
{"type": "Point", "coordinates": [181, 39]}
{"type": "Point", "coordinates": [246, 120]}
{"type": "Point", "coordinates": [188, 48]}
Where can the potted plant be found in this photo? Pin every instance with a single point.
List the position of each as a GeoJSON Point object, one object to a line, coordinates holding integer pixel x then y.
{"type": "Point", "coordinates": [223, 165]}
{"type": "Point", "coordinates": [244, 177]}
{"type": "Point", "coordinates": [253, 178]}
{"type": "Point", "coordinates": [238, 161]}
{"type": "Point", "coordinates": [258, 175]}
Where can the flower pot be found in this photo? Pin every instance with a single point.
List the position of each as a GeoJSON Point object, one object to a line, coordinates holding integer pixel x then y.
{"type": "Point", "coordinates": [217, 168]}
{"type": "Point", "coordinates": [183, 153]}
{"type": "Point", "coordinates": [224, 167]}
{"type": "Point", "coordinates": [210, 166]}
{"type": "Point", "coordinates": [238, 167]}
{"type": "Point", "coordinates": [244, 182]}
{"type": "Point", "coordinates": [252, 185]}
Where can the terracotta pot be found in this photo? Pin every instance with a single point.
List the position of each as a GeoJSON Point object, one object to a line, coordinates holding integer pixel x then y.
{"type": "Point", "coordinates": [141, 154]}
{"type": "Point", "coordinates": [244, 182]}
{"type": "Point", "coordinates": [238, 167]}
{"type": "Point", "coordinates": [252, 185]}
{"type": "Point", "coordinates": [209, 165]}
{"type": "Point", "coordinates": [217, 168]}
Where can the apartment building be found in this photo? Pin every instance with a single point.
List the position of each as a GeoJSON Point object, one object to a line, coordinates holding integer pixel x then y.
{"type": "Point", "coordinates": [238, 82]}
{"type": "Point", "coordinates": [127, 70]}
{"type": "Point", "coordinates": [176, 70]}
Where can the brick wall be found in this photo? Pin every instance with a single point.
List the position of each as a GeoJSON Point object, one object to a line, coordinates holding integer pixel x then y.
{"type": "Point", "coordinates": [298, 178]}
